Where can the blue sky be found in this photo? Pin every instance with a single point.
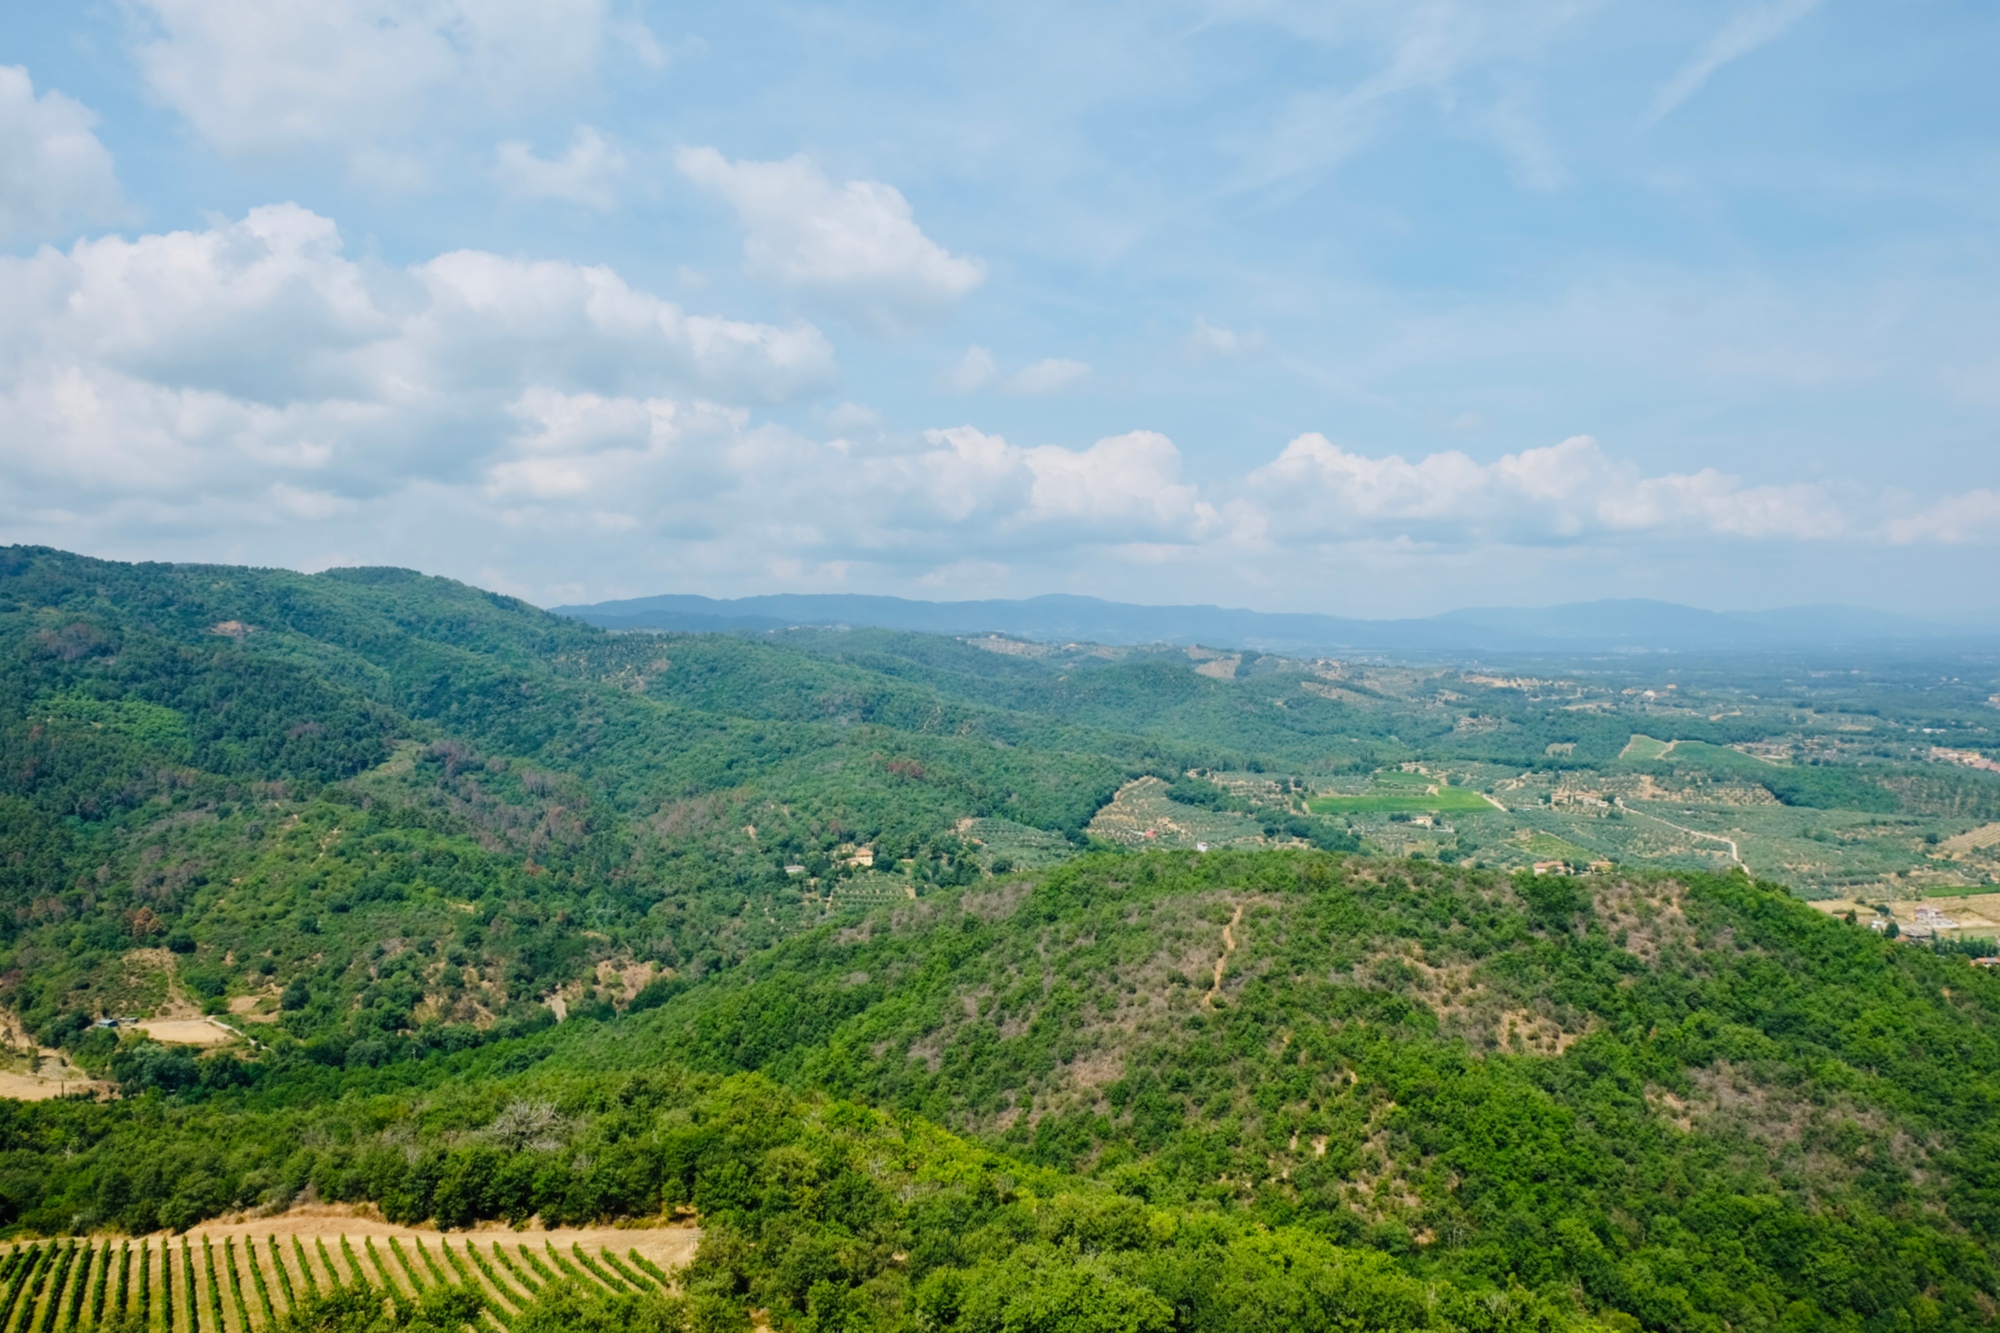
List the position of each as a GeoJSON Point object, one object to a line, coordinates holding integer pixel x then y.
{"type": "Point", "coordinates": [1368, 308]}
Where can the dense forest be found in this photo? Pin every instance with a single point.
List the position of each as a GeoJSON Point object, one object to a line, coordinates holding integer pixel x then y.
{"type": "Point", "coordinates": [826, 939]}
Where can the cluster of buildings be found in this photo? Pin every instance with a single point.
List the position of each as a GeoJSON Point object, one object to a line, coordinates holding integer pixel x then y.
{"type": "Point", "coordinates": [1564, 868]}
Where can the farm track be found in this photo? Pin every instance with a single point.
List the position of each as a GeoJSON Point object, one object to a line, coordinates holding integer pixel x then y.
{"type": "Point", "coordinates": [245, 1278]}
{"type": "Point", "coordinates": [1734, 854]}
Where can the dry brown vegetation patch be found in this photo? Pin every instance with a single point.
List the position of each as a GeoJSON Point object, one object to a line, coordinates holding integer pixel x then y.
{"type": "Point", "coordinates": [1820, 1139]}
{"type": "Point", "coordinates": [1645, 918]}
{"type": "Point", "coordinates": [1531, 1033]}
{"type": "Point", "coordinates": [1986, 835]}
{"type": "Point", "coordinates": [999, 902]}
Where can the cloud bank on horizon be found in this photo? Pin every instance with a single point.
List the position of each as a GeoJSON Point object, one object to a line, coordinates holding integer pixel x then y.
{"type": "Point", "coordinates": [1350, 307]}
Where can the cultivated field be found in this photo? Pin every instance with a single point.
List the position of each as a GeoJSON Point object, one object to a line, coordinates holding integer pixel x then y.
{"type": "Point", "coordinates": [243, 1278]}
{"type": "Point", "coordinates": [1141, 815]}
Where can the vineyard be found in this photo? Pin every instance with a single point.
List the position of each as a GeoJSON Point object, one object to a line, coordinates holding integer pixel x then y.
{"type": "Point", "coordinates": [237, 1284]}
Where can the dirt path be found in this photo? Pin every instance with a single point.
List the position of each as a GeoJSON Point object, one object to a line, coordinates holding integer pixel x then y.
{"type": "Point", "coordinates": [1228, 947]}
{"type": "Point", "coordinates": [667, 1246]}
{"type": "Point", "coordinates": [1730, 843]}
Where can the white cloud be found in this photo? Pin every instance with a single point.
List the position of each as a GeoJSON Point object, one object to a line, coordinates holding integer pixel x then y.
{"type": "Point", "coordinates": [586, 174]}
{"type": "Point", "coordinates": [1954, 520]}
{"type": "Point", "coordinates": [220, 362]}
{"type": "Point", "coordinates": [364, 78]}
{"type": "Point", "coordinates": [855, 246]}
{"type": "Point", "coordinates": [54, 174]}
{"type": "Point", "coordinates": [615, 451]}
{"type": "Point", "coordinates": [250, 391]}
{"type": "Point", "coordinates": [1052, 375]}
{"type": "Point", "coordinates": [694, 471]}
{"type": "Point", "coordinates": [1738, 38]}
{"type": "Point", "coordinates": [1130, 478]}
{"type": "Point", "coordinates": [975, 370]}
{"type": "Point", "coordinates": [1318, 491]}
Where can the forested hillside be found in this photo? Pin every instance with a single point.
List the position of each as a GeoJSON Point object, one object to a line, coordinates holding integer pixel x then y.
{"type": "Point", "coordinates": [870, 950]}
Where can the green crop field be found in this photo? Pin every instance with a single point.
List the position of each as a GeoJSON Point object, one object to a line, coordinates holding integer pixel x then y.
{"type": "Point", "coordinates": [1643, 749]}
{"type": "Point", "coordinates": [1400, 799]}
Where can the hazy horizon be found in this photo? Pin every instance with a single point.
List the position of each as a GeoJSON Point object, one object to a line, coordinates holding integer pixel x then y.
{"type": "Point", "coordinates": [1259, 610]}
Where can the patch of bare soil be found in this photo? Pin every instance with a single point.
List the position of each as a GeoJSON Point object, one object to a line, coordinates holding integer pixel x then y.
{"type": "Point", "coordinates": [669, 1246]}
{"type": "Point", "coordinates": [187, 1031]}
{"type": "Point", "coordinates": [31, 1072]}
{"type": "Point", "coordinates": [624, 976]}
{"type": "Point", "coordinates": [45, 1087]}
{"type": "Point", "coordinates": [255, 1008]}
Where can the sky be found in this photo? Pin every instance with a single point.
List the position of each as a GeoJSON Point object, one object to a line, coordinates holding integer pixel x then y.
{"type": "Point", "coordinates": [1364, 307]}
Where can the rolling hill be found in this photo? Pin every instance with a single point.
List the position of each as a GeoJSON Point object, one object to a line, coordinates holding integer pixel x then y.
{"type": "Point", "coordinates": [822, 940]}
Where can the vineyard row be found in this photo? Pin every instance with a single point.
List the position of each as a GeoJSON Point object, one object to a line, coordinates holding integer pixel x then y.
{"type": "Point", "coordinates": [245, 1284]}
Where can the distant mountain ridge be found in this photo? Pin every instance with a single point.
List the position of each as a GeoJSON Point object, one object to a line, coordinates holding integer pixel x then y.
{"type": "Point", "coordinates": [1630, 624]}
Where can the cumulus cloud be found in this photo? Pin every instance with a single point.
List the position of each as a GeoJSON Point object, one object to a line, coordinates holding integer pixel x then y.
{"type": "Point", "coordinates": [855, 246]}
{"type": "Point", "coordinates": [613, 451]}
{"type": "Point", "coordinates": [478, 412]}
{"type": "Point", "coordinates": [586, 174]}
{"type": "Point", "coordinates": [254, 353]}
{"type": "Point", "coordinates": [54, 174]}
{"type": "Point", "coordinates": [709, 483]}
{"type": "Point", "coordinates": [1122, 488]}
{"type": "Point", "coordinates": [1317, 490]}
{"type": "Point", "coordinates": [262, 78]}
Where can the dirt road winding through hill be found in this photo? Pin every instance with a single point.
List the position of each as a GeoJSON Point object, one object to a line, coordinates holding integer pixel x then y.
{"type": "Point", "coordinates": [1730, 843]}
